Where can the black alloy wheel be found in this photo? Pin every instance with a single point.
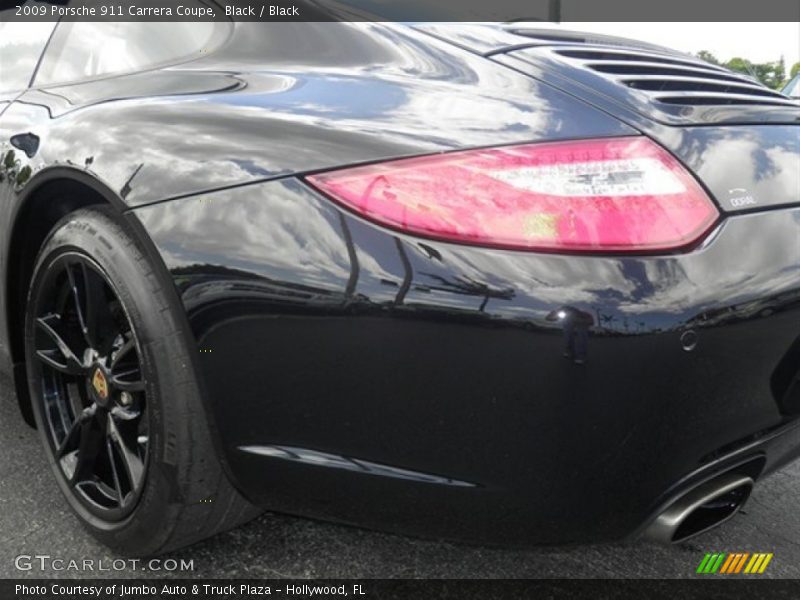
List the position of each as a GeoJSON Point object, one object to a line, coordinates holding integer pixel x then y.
{"type": "Point", "coordinates": [95, 404]}
{"type": "Point", "coordinates": [115, 393]}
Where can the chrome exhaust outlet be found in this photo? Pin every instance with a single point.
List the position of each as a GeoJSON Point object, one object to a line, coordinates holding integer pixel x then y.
{"type": "Point", "coordinates": [701, 509]}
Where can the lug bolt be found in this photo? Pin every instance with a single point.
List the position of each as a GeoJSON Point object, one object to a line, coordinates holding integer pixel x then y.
{"type": "Point", "coordinates": [125, 399]}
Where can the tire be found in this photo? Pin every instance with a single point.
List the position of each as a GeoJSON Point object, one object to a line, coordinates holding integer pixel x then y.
{"type": "Point", "coordinates": [158, 484]}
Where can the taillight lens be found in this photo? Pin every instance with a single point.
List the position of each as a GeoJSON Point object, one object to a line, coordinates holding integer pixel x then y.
{"type": "Point", "coordinates": [616, 194]}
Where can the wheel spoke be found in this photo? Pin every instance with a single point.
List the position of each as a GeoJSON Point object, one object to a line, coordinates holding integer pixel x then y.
{"type": "Point", "coordinates": [69, 439]}
{"type": "Point", "coordinates": [79, 309]}
{"type": "Point", "coordinates": [125, 414]}
{"type": "Point", "coordinates": [51, 359]}
{"type": "Point", "coordinates": [91, 445]}
{"type": "Point", "coordinates": [70, 363]}
{"type": "Point", "coordinates": [73, 397]}
{"type": "Point", "coordinates": [97, 315]}
{"type": "Point", "coordinates": [134, 467]}
{"type": "Point", "coordinates": [122, 381]}
{"type": "Point", "coordinates": [113, 461]}
{"type": "Point", "coordinates": [124, 351]}
{"type": "Point", "coordinates": [73, 435]}
{"type": "Point", "coordinates": [99, 491]}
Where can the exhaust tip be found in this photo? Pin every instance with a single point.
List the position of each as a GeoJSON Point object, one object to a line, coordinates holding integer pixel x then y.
{"type": "Point", "coordinates": [700, 509]}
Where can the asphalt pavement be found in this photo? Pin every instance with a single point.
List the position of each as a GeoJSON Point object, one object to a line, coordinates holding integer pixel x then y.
{"type": "Point", "coordinates": [35, 520]}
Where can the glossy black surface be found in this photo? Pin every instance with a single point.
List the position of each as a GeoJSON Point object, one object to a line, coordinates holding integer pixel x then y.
{"type": "Point", "coordinates": [362, 375]}
{"type": "Point", "coordinates": [448, 361]}
{"type": "Point", "coordinates": [228, 119]}
{"type": "Point", "coordinates": [262, 106]}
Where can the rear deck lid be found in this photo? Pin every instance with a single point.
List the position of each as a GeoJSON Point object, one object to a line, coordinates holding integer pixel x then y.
{"type": "Point", "coordinates": [618, 74]}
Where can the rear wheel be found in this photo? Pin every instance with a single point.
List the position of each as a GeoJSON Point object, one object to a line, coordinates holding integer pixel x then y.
{"type": "Point", "coordinates": [115, 396]}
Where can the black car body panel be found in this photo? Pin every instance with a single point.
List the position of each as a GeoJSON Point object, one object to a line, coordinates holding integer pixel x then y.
{"type": "Point", "coordinates": [220, 121]}
{"type": "Point", "coordinates": [448, 352]}
{"type": "Point", "coordinates": [227, 120]}
{"type": "Point", "coordinates": [749, 167]}
{"type": "Point", "coordinates": [369, 376]}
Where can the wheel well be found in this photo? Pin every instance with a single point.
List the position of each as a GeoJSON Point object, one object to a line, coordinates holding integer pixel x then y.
{"type": "Point", "coordinates": [42, 209]}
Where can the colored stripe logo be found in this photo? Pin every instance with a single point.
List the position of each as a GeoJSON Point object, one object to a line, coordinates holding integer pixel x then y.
{"type": "Point", "coordinates": [732, 563]}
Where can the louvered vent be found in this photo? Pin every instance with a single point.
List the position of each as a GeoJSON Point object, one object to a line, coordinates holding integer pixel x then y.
{"type": "Point", "coordinates": [669, 79]}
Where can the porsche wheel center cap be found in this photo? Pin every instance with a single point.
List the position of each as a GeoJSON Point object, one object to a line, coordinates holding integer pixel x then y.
{"type": "Point", "coordinates": [100, 384]}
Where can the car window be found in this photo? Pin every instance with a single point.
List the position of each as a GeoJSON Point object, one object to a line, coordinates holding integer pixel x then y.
{"type": "Point", "coordinates": [793, 87]}
{"type": "Point", "coordinates": [21, 45]}
{"type": "Point", "coordinates": [85, 50]}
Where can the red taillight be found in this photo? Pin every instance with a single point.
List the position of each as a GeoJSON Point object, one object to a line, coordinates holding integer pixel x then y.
{"type": "Point", "coordinates": [617, 194]}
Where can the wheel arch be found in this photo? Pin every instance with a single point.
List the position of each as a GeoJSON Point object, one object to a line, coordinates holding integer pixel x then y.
{"type": "Point", "coordinates": [48, 197]}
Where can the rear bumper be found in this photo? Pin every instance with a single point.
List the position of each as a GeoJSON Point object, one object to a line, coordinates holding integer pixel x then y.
{"type": "Point", "coordinates": [364, 376]}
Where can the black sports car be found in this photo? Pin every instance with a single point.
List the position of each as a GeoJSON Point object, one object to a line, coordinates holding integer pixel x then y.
{"type": "Point", "coordinates": [501, 283]}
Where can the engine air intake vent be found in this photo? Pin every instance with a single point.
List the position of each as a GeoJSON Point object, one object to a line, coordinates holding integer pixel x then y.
{"type": "Point", "coordinates": [672, 79]}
